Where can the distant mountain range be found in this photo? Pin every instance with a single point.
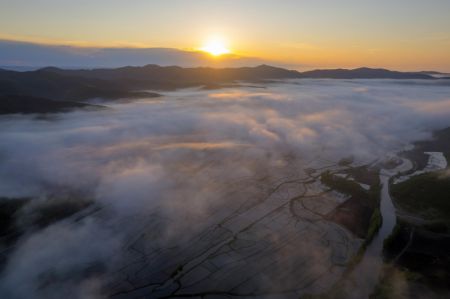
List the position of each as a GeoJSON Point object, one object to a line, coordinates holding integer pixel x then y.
{"type": "Point", "coordinates": [365, 73]}
{"type": "Point", "coordinates": [57, 84]}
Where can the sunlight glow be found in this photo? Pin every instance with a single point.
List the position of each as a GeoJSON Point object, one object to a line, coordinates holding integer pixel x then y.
{"type": "Point", "coordinates": [215, 46]}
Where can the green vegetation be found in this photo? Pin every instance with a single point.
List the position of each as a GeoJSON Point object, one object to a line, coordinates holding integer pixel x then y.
{"type": "Point", "coordinates": [358, 213]}
{"type": "Point", "coordinates": [336, 291]}
{"type": "Point", "coordinates": [375, 193]}
{"type": "Point", "coordinates": [342, 185]}
{"type": "Point", "coordinates": [363, 205]}
{"type": "Point", "coordinates": [376, 220]}
{"type": "Point", "coordinates": [427, 195]}
{"type": "Point", "coordinates": [351, 187]}
{"type": "Point", "coordinates": [364, 174]}
{"type": "Point", "coordinates": [375, 223]}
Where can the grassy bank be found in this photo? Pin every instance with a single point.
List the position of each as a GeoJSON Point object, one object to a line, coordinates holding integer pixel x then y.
{"type": "Point", "coordinates": [426, 196]}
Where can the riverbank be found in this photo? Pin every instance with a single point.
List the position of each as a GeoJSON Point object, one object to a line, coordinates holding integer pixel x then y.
{"type": "Point", "coordinates": [418, 251]}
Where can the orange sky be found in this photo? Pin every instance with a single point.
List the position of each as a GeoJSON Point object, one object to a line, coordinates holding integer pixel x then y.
{"type": "Point", "coordinates": [406, 35]}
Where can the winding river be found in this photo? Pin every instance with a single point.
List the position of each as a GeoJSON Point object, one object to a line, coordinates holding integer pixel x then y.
{"type": "Point", "coordinates": [366, 274]}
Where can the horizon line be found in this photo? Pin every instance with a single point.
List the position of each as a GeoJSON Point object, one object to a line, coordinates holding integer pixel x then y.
{"type": "Point", "coordinates": [72, 68]}
{"type": "Point", "coordinates": [137, 46]}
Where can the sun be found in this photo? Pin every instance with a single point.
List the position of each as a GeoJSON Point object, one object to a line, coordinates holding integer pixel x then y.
{"type": "Point", "coordinates": [215, 46]}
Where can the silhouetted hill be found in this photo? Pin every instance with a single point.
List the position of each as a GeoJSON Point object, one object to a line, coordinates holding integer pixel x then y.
{"type": "Point", "coordinates": [154, 75]}
{"type": "Point", "coordinates": [431, 73]}
{"type": "Point", "coordinates": [363, 73]}
{"type": "Point", "coordinates": [175, 75]}
{"type": "Point", "coordinates": [131, 82]}
{"type": "Point", "coordinates": [12, 104]}
{"type": "Point", "coordinates": [126, 82]}
{"type": "Point", "coordinates": [59, 86]}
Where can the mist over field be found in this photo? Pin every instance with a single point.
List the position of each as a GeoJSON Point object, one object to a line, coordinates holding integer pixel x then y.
{"type": "Point", "coordinates": [164, 178]}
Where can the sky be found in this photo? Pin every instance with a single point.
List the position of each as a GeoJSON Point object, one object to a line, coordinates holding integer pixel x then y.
{"type": "Point", "coordinates": [401, 34]}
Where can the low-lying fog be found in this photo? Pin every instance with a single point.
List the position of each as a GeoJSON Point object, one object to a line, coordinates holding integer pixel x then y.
{"type": "Point", "coordinates": [165, 173]}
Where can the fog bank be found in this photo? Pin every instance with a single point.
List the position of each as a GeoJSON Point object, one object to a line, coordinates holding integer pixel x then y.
{"type": "Point", "coordinates": [177, 168]}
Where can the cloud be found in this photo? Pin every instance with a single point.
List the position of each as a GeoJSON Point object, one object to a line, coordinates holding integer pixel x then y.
{"type": "Point", "coordinates": [62, 260]}
{"type": "Point", "coordinates": [441, 107]}
{"type": "Point", "coordinates": [176, 179]}
{"type": "Point", "coordinates": [27, 54]}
